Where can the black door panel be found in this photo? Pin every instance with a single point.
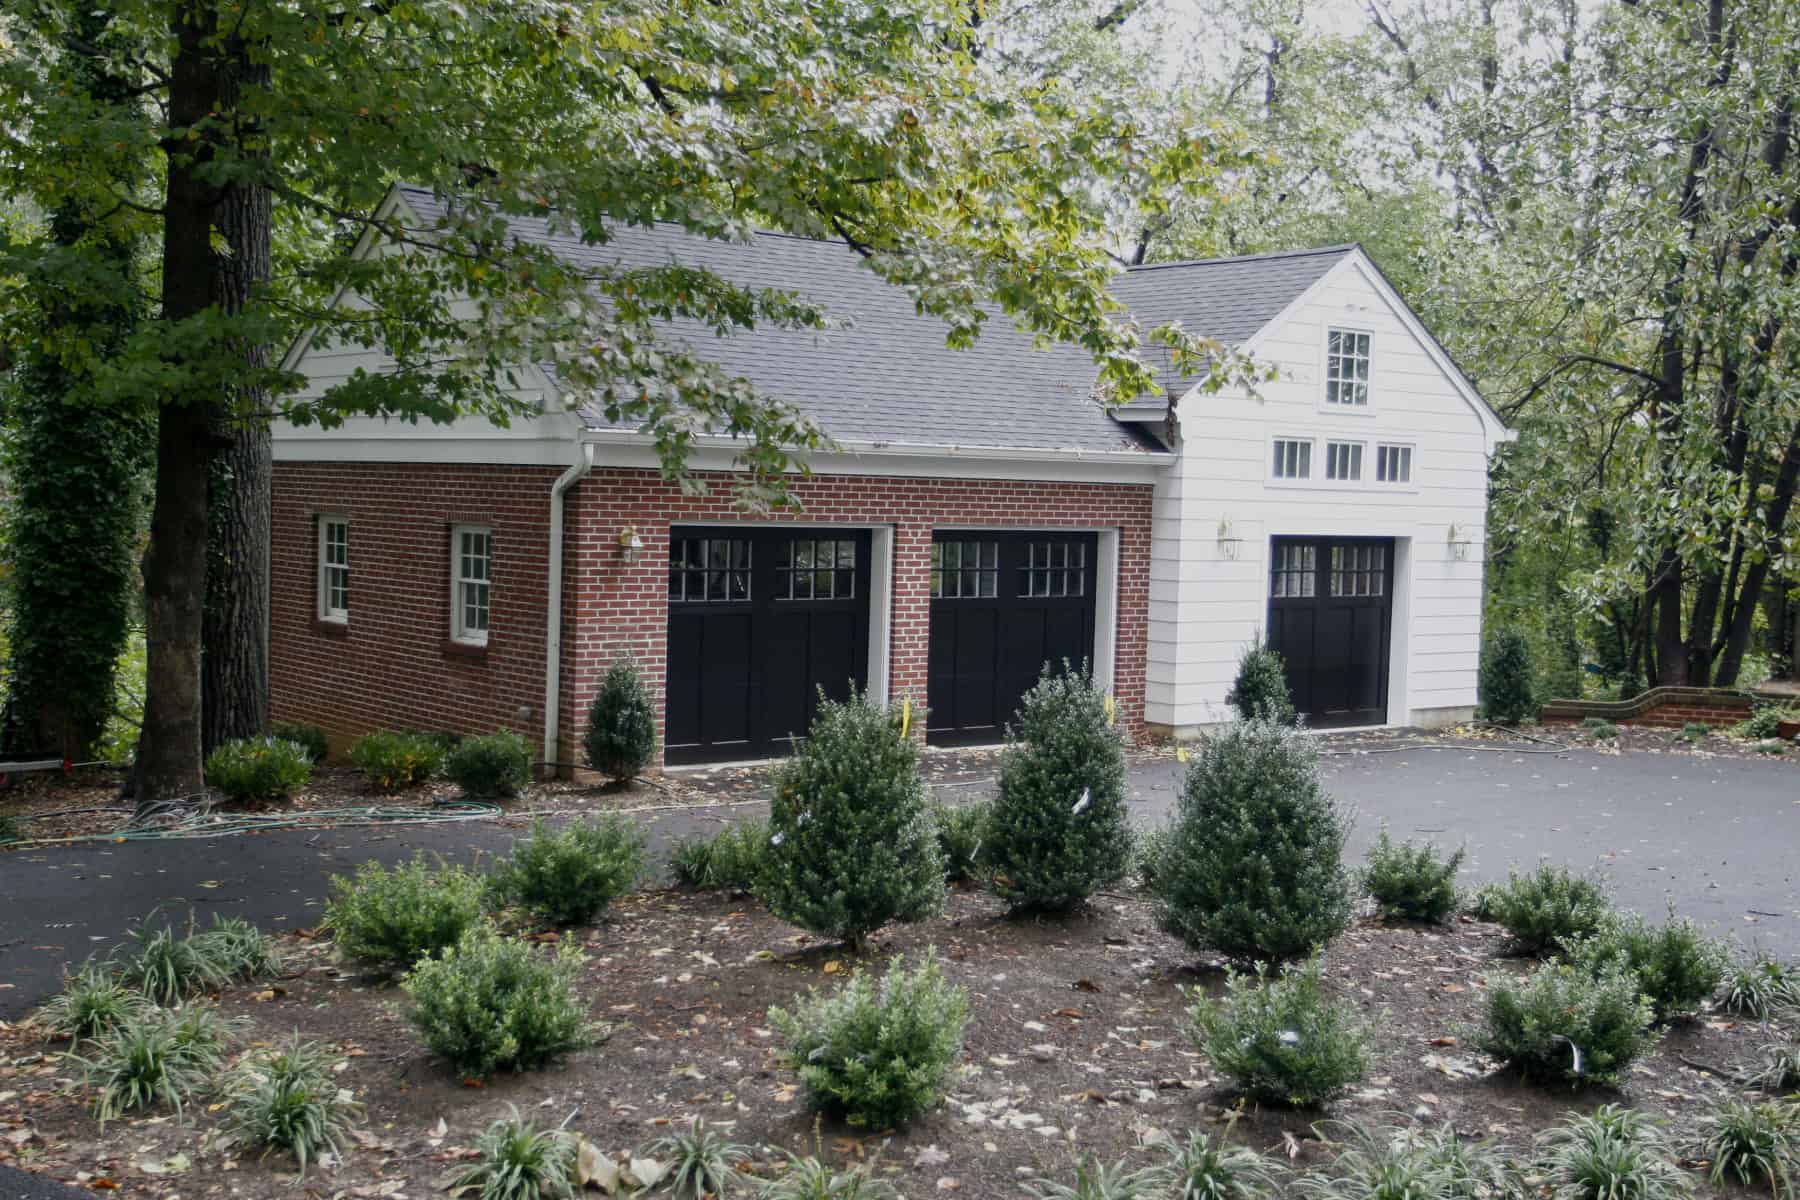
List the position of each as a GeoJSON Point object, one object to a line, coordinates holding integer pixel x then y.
{"type": "Point", "coordinates": [1330, 619]}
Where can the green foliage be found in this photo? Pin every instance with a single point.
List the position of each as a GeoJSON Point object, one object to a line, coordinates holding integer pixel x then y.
{"type": "Point", "coordinates": [491, 1003]}
{"type": "Point", "coordinates": [1599, 729]}
{"type": "Point", "coordinates": [239, 948]}
{"type": "Point", "coordinates": [1378, 1164]}
{"type": "Point", "coordinates": [259, 768]}
{"type": "Point", "coordinates": [168, 968]}
{"type": "Point", "coordinates": [1563, 1023]}
{"type": "Point", "coordinates": [1676, 966]}
{"type": "Point", "coordinates": [962, 836]}
{"type": "Point", "coordinates": [702, 1163]}
{"type": "Point", "coordinates": [851, 845]}
{"type": "Point", "coordinates": [1094, 1180]}
{"type": "Point", "coordinates": [877, 1053]}
{"type": "Point", "coordinates": [393, 761]}
{"type": "Point", "coordinates": [398, 916]}
{"type": "Point", "coordinates": [731, 859]}
{"type": "Point", "coordinates": [1148, 853]}
{"type": "Point", "coordinates": [1696, 731]}
{"type": "Point", "coordinates": [1411, 883]}
{"type": "Point", "coordinates": [1507, 685]}
{"type": "Point", "coordinates": [494, 765]}
{"type": "Point", "coordinates": [156, 1056]}
{"type": "Point", "coordinates": [1260, 691]}
{"type": "Point", "coordinates": [12, 829]}
{"type": "Point", "coordinates": [1545, 908]}
{"type": "Point", "coordinates": [1612, 1154]}
{"type": "Point", "coordinates": [1780, 1069]}
{"type": "Point", "coordinates": [1752, 1145]}
{"type": "Point", "coordinates": [1283, 1039]}
{"type": "Point", "coordinates": [1058, 830]}
{"type": "Point", "coordinates": [621, 725]}
{"type": "Point", "coordinates": [570, 875]}
{"type": "Point", "coordinates": [1758, 987]}
{"type": "Point", "coordinates": [1254, 864]}
{"type": "Point", "coordinates": [1562, 676]}
{"type": "Point", "coordinates": [92, 1001]}
{"type": "Point", "coordinates": [515, 1160]}
{"type": "Point", "coordinates": [809, 1179]}
{"type": "Point", "coordinates": [289, 1100]}
{"type": "Point", "coordinates": [1207, 1168]}
{"type": "Point", "coordinates": [317, 745]}
{"type": "Point", "coordinates": [1764, 721]}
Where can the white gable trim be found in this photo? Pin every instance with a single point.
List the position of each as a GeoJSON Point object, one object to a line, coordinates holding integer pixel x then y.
{"type": "Point", "coordinates": [1494, 430]}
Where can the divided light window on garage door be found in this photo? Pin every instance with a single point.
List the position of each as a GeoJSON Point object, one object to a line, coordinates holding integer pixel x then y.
{"type": "Point", "coordinates": [1054, 569]}
{"type": "Point", "coordinates": [709, 570]}
{"type": "Point", "coordinates": [1358, 570]}
{"type": "Point", "coordinates": [964, 570]}
{"type": "Point", "coordinates": [1293, 575]}
{"type": "Point", "coordinates": [816, 569]}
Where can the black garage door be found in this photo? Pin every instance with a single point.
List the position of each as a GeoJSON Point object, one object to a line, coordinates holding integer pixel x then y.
{"type": "Point", "coordinates": [759, 621]}
{"type": "Point", "coordinates": [1003, 605]}
{"type": "Point", "coordinates": [1330, 608]}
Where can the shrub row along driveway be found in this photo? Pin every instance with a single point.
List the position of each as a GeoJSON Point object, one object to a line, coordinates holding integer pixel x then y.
{"type": "Point", "coordinates": [1717, 837]}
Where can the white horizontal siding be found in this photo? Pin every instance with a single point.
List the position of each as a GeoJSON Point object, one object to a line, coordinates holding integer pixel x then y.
{"type": "Point", "coordinates": [1207, 605]}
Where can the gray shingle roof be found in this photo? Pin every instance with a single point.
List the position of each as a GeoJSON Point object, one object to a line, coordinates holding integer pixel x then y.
{"type": "Point", "coordinates": [889, 377]}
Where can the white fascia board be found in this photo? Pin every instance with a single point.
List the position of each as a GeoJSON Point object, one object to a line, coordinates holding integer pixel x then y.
{"type": "Point", "coordinates": [627, 448]}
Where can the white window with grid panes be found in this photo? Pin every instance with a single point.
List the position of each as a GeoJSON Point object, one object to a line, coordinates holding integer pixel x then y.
{"type": "Point", "coordinates": [1393, 464]}
{"type": "Point", "coordinates": [471, 583]}
{"type": "Point", "coordinates": [1347, 369]}
{"type": "Point", "coordinates": [1343, 462]}
{"type": "Point", "coordinates": [334, 569]}
{"type": "Point", "coordinates": [965, 570]}
{"type": "Point", "coordinates": [1292, 459]}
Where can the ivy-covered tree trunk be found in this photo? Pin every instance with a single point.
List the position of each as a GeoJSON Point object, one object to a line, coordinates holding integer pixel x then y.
{"type": "Point", "coordinates": [76, 473]}
{"type": "Point", "coordinates": [235, 654]}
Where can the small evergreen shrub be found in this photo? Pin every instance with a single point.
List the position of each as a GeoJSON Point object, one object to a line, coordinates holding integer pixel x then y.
{"type": "Point", "coordinates": [962, 836]}
{"type": "Point", "coordinates": [621, 727]}
{"type": "Point", "coordinates": [1599, 729]}
{"type": "Point", "coordinates": [492, 766]}
{"type": "Point", "coordinates": [398, 916]}
{"type": "Point", "coordinates": [1612, 1154]}
{"type": "Point", "coordinates": [1058, 831]}
{"type": "Point", "coordinates": [702, 1164]}
{"type": "Point", "coordinates": [1546, 907]}
{"type": "Point", "coordinates": [1254, 863]}
{"type": "Point", "coordinates": [317, 745]}
{"type": "Point", "coordinates": [515, 1160]}
{"type": "Point", "coordinates": [851, 846]}
{"type": "Point", "coordinates": [1752, 1145]}
{"type": "Point", "coordinates": [157, 1056]}
{"type": "Point", "coordinates": [1676, 966]}
{"type": "Point", "coordinates": [1260, 691]}
{"type": "Point", "coordinates": [491, 1003]}
{"type": "Point", "coordinates": [1094, 1180]}
{"type": "Point", "coordinates": [1147, 855]}
{"type": "Point", "coordinates": [570, 875]}
{"type": "Point", "coordinates": [92, 1001]}
{"type": "Point", "coordinates": [731, 859]}
{"type": "Point", "coordinates": [877, 1053]}
{"type": "Point", "coordinates": [168, 968]}
{"type": "Point", "coordinates": [1564, 1023]}
{"type": "Point", "coordinates": [259, 768]}
{"type": "Point", "coordinates": [1758, 987]}
{"type": "Point", "coordinates": [1696, 731]}
{"type": "Point", "coordinates": [1206, 1168]}
{"type": "Point", "coordinates": [1411, 883]}
{"type": "Point", "coordinates": [392, 761]}
{"type": "Point", "coordinates": [289, 1100]}
{"type": "Point", "coordinates": [1764, 721]}
{"type": "Point", "coordinates": [1281, 1038]}
{"type": "Point", "coordinates": [1506, 682]}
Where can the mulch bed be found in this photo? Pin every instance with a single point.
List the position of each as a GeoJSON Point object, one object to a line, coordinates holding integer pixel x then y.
{"type": "Point", "coordinates": [1073, 1047]}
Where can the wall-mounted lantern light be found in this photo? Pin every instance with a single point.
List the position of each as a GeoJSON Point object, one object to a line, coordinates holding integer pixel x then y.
{"type": "Point", "coordinates": [1229, 546]}
{"type": "Point", "coordinates": [1459, 541]}
{"type": "Point", "coordinates": [629, 543]}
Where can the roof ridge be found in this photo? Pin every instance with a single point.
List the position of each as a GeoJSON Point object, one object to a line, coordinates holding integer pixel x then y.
{"type": "Point", "coordinates": [1339, 248]}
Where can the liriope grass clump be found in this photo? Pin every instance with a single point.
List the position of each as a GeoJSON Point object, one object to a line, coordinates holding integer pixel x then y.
{"type": "Point", "coordinates": [702, 1163]}
{"type": "Point", "coordinates": [289, 1100]}
{"type": "Point", "coordinates": [1752, 1145]}
{"type": "Point", "coordinates": [92, 1001]}
{"type": "Point", "coordinates": [157, 1056]}
{"type": "Point", "coordinates": [1613, 1153]}
{"type": "Point", "coordinates": [517, 1160]}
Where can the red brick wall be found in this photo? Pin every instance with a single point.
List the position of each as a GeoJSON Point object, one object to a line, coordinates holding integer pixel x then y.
{"type": "Point", "coordinates": [618, 607]}
{"type": "Point", "coordinates": [391, 667]}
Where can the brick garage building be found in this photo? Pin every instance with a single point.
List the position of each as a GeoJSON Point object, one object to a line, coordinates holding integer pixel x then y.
{"type": "Point", "coordinates": [978, 515]}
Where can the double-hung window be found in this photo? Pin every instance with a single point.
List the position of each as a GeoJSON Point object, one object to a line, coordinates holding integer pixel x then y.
{"type": "Point", "coordinates": [471, 583]}
{"type": "Point", "coordinates": [1347, 368]}
{"type": "Point", "coordinates": [334, 569]}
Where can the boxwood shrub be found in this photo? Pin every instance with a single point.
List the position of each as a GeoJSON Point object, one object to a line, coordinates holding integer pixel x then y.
{"type": "Point", "coordinates": [1563, 1023]}
{"type": "Point", "coordinates": [491, 1003]}
{"type": "Point", "coordinates": [1281, 1038]}
{"type": "Point", "coordinates": [492, 766]}
{"type": "Point", "coordinates": [570, 875]}
{"type": "Point", "coordinates": [397, 916]}
{"type": "Point", "coordinates": [259, 768]}
{"type": "Point", "coordinates": [393, 761]}
{"type": "Point", "coordinates": [311, 736]}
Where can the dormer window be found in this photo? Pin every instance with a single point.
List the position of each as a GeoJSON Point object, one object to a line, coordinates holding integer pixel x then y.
{"type": "Point", "coordinates": [1347, 368]}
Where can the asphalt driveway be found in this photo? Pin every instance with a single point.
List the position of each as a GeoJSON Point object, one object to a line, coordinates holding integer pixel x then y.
{"type": "Point", "coordinates": [1718, 838]}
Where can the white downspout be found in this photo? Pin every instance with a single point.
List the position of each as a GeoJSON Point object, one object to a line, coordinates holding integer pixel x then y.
{"type": "Point", "coordinates": [553, 616]}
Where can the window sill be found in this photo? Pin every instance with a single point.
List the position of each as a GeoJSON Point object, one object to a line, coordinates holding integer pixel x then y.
{"type": "Point", "coordinates": [331, 628]}
{"type": "Point", "coordinates": [471, 650]}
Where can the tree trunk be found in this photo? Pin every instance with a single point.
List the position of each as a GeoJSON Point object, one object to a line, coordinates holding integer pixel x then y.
{"type": "Point", "coordinates": [235, 664]}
